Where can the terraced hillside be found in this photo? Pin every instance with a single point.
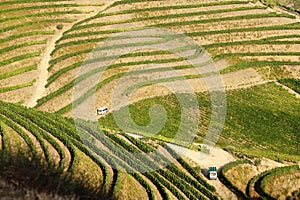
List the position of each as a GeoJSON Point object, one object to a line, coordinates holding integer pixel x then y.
{"type": "Point", "coordinates": [91, 162]}
{"type": "Point", "coordinates": [260, 121]}
{"type": "Point", "coordinates": [28, 31]}
{"type": "Point", "coordinates": [249, 42]}
{"type": "Point", "coordinates": [261, 180]}
{"type": "Point", "coordinates": [240, 59]}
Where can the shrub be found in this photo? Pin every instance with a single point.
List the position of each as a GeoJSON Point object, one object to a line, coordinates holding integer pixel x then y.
{"type": "Point", "coordinates": [230, 149]}
{"type": "Point", "coordinates": [60, 26]}
{"type": "Point", "coordinates": [257, 161]}
{"type": "Point", "coordinates": [271, 3]}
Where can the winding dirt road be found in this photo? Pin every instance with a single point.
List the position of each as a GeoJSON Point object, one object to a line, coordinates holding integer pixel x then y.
{"type": "Point", "coordinates": [50, 46]}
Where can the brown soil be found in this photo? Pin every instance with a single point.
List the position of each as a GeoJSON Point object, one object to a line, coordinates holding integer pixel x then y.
{"type": "Point", "coordinates": [127, 191]}
{"type": "Point", "coordinates": [283, 185]}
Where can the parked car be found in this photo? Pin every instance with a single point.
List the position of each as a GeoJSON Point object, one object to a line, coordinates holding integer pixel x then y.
{"type": "Point", "coordinates": [102, 110]}
{"type": "Point", "coordinates": [212, 173]}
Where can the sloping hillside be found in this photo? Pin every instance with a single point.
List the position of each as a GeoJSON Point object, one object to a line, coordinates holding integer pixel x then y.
{"type": "Point", "coordinates": [29, 30]}
{"type": "Point", "coordinates": [49, 152]}
{"type": "Point", "coordinates": [238, 60]}
{"type": "Point", "coordinates": [249, 42]}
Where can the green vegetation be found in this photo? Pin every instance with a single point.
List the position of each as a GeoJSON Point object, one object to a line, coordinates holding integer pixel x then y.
{"type": "Point", "coordinates": [18, 58]}
{"type": "Point", "coordinates": [160, 17]}
{"type": "Point", "coordinates": [259, 181]}
{"type": "Point", "coordinates": [13, 27]}
{"type": "Point", "coordinates": [253, 16]}
{"type": "Point", "coordinates": [10, 88]}
{"type": "Point", "coordinates": [264, 181]}
{"type": "Point", "coordinates": [14, 47]}
{"type": "Point", "coordinates": [59, 26]}
{"type": "Point", "coordinates": [18, 71]}
{"type": "Point", "coordinates": [81, 26]}
{"type": "Point", "coordinates": [273, 128]}
{"type": "Point", "coordinates": [61, 153]}
{"type": "Point", "coordinates": [25, 34]}
{"type": "Point", "coordinates": [47, 127]}
{"type": "Point", "coordinates": [292, 83]}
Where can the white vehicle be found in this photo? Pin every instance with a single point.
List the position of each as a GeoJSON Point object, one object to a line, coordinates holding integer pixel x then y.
{"type": "Point", "coordinates": [212, 173]}
{"type": "Point", "coordinates": [102, 110]}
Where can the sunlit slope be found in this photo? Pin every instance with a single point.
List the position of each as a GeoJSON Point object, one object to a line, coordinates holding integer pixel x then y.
{"type": "Point", "coordinates": [261, 180]}
{"type": "Point", "coordinates": [249, 42]}
{"type": "Point", "coordinates": [27, 30]}
{"type": "Point", "coordinates": [95, 161]}
{"type": "Point", "coordinates": [260, 121]}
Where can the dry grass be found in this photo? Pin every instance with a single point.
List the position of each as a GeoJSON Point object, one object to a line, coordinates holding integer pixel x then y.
{"type": "Point", "coordinates": [283, 185]}
{"type": "Point", "coordinates": [18, 79]}
{"type": "Point", "coordinates": [130, 188]}
{"type": "Point", "coordinates": [87, 172]}
{"type": "Point", "coordinates": [10, 191]}
{"type": "Point", "coordinates": [241, 175]}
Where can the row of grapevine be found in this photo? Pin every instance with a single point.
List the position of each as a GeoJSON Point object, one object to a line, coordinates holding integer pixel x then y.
{"type": "Point", "coordinates": [94, 30]}
{"type": "Point", "coordinates": [46, 128]}
{"type": "Point", "coordinates": [172, 174]}
{"type": "Point", "coordinates": [26, 27]}
{"type": "Point", "coordinates": [263, 180]}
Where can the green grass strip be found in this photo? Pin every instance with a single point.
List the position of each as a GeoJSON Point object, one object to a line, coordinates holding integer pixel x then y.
{"type": "Point", "coordinates": [18, 71]}
{"type": "Point", "coordinates": [292, 83]}
{"type": "Point", "coordinates": [283, 37]}
{"type": "Point", "coordinates": [226, 181]}
{"type": "Point", "coordinates": [5, 143]}
{"type": "Point", "coordinates": [176, 7]}
{"type": "Point", "coordinates": [10, 88]}
{"type": "Point", "coordinates": [263, 28]}
{"type": "Point", "coordinates": [43, 14]}
{"type": "Point", "coordinates": [18, 58]}
{"type": "Point", "coordinates": [13, 27]}
{"type": "Point", "coordinates": [281, 171]}
{"type": "Point", "coordinates": [248, 64]}
{"type": "Point", "coordinates": [14, 47]}
{"type": "Point", "coordinates": [21, 132]}
{"type": "Point", "coordinates": [185, 6]}
{"type": "Point", "coordinates": [25, 1]}
{"type": "Point", "coordinates": [38, 7]}
{"type": "Point", "coordinates": [225, 55]}
{"type": "Point", "coordinates": [60, 72]}
{"type": "Point", "coordinates": [251, 16]}
{"type": "Point", "coordinates": [26, 34]}
{"type": "Point", "coordinates": [168, 16]}
{"type": "Point", "coordinates": [250, 42]}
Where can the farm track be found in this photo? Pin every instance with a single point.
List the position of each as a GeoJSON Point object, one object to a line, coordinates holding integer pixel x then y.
{"type": "Point", "coordinates": [44, 64]}
{"type": "Point", "coordinates": [21, 34]}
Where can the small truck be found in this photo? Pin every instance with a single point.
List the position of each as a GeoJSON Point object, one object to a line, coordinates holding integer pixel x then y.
{"type": "Point", "coordinates": [102, 110]}
{"type": "Point", "coordinates": [212, 173]}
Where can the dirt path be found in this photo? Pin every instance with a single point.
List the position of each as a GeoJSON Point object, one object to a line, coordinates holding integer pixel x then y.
{"type": "Point", "coordinates": [217, 157]}
{"type": "Point", "coordinates": [50, 46]}
{"type": "Point", "coordinates": [42, 70]}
